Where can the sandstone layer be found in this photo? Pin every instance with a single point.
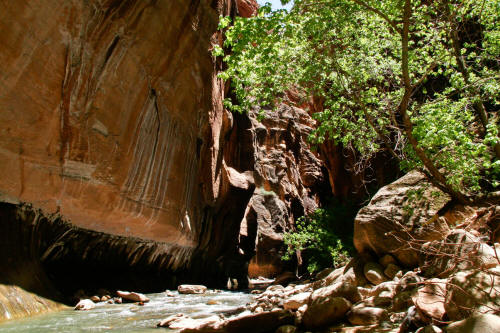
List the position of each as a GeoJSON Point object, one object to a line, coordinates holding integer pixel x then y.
{"type": "Point", "coordinates": [111, 118]}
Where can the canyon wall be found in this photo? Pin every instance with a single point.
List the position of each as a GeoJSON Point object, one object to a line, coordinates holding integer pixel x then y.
{"type": "Point", "coordinates": [111, 117]}
{"type": "Point", "coordinates": [112, 129]}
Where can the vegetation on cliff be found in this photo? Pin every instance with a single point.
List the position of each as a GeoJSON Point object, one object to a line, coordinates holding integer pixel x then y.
{"type": "Point", "coordinates": [419, 79]}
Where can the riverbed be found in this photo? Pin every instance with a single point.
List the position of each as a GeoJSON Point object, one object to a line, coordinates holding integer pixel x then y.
{"type": "Point", "coordinates": [130, 317]}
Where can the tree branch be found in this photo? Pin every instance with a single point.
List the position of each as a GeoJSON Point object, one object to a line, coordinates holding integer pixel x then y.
{"type": "Point", "coordinates": [379, 13]}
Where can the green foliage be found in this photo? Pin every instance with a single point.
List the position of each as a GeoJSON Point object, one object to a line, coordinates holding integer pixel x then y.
{"type": "Point", "coordinates": [349, 54]}
{"type": "Point", "coordinates": [315, 236]}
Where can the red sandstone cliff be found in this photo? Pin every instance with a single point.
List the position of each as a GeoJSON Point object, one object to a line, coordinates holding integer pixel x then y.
{"type": "Point", "coordinates": [111, 116]}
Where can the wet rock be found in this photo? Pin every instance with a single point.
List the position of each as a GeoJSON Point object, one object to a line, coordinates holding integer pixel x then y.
{"type": "Point", "coordinates": [212, 302]}
{"type": "Point", "coordinates": [117, 300]}
{"type": "Point", "coordinates": [258, 323]}
{"type": "Point", "coordinates": [325, 310]}
{"type": "Point", "coordinates": [188, 325]}
{"type": "Point", "coordinates": [105, 298]}
{"type": "Point", "coordinates": [95, 299]}
{"type": "Point", "coordinates": [170, 319]}
{"type": "Point", "coordinates": [366, 315]}
{"type": "Point", "coordinates": [374, 273]}
{"type": "Point", "coordinates": [132, 296]}
{"type": "Point", "coordinates": [482, 323]}
{"type": "Point", "coordinates": [169, 293]}
{"type": "Point", "coordinates": [85, 304]}
{"type": "Point", "coordinates": [191, 289]}
{"type": "Point", "coordinates": [296, 301]}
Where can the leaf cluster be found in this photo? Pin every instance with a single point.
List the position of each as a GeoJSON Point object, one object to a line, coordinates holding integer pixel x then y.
{"type": "Point", "coordinates": [370, 73]}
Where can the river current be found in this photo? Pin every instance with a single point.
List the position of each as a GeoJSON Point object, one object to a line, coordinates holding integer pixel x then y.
{"type": "Point", "coordinates": [129, 317]}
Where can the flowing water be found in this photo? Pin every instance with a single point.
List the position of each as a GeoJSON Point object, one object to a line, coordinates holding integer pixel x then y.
{"type": "Point", "coordinates": [129, 317]}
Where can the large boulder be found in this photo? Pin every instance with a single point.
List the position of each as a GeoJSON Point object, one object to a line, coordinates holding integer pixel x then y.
{"type": "Point", "coordinates": [323, 311]}
{"type": "Point", "coordinates": [366, 315]}
{"type": "Point", "coordinates": [338, 289]}
{"type": "Point", "coordinates": [473, 291]}
{"type": "Point", "coordinates": [484, 323]}
{"type": "Point", "coordinates": [410, 204]}
{"type": "Point", "coordinates": [258, 323]}
{"type": "Point", "coordinates": [374, 273]}
{"type": "Point", "coordinates": [296, 301]}
{"type": "Point", "coordinates": [459, 250]}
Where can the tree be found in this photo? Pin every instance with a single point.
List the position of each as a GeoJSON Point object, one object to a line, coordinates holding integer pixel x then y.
{"type": "Point", "coordinates": [417, 78]}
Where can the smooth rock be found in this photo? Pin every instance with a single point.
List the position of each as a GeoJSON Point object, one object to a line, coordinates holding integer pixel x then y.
{"type": "Point", "coordinates": [366, 315]}
{"type": "Point", "coordinates": [391, 271]}
{"type": "Point", "coordinates": [386, 260]}
{"type": "Point", "coordinates": [166, 322]}
{"type": "Point", "coordinates": [286, 329]}
{"type": "Point", "coordinates": [132, 296]}
{"type": "Point", "coordinates": [483, 323]}
{"type": "Point", "coordinates": [258, 323]}
{"type": "Point", "coordinates": [374, 273]}
{"type": "Point", "coordinates": [323, 311]}
{"type": "Point", "coordinates": [431, 297]}
{"type": "Point", "coordinates": [296, 301]}
{"type": "Point", "coordinates": [95, 299]}
{"type": "Point", "coordinates": [338, 289]}
{"type": "Point", "coordinates": [85, 304]}
{"type": "Point", "coordinates": [191, 289]}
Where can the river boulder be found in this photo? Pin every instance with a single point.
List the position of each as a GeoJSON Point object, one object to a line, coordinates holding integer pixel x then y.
{"type": "Point", "coordinates": [85, 304]}
{"type": "Point", "coordinates": [324, 311]}
{"type": "Point", "coordinates": [191, 289]}
{"type": "Point", "coordinates": [132, 296]}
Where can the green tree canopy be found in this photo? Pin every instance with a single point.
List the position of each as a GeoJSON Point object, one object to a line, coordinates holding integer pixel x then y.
{"type": "Point", "coordinates": [417, 78]}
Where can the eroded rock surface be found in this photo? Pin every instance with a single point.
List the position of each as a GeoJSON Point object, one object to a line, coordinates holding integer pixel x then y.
{"type": "Point", "coordinates": [400, 212]}
{"type": "Point", "coordinates": [290, 181]}
{"type": "Point", "coordinates": [111, 117]}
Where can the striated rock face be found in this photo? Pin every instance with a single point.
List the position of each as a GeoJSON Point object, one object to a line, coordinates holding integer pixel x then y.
{"type": "Point", "coordinates": [111, 117]}
{"type": "Point", "coordinates": [290, 181]}
{"type": "Point", "coordinates": [17, 303]}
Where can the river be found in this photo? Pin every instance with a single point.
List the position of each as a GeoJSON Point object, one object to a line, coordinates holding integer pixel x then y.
{"type": "Point", "coordinates": [129, 317]}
